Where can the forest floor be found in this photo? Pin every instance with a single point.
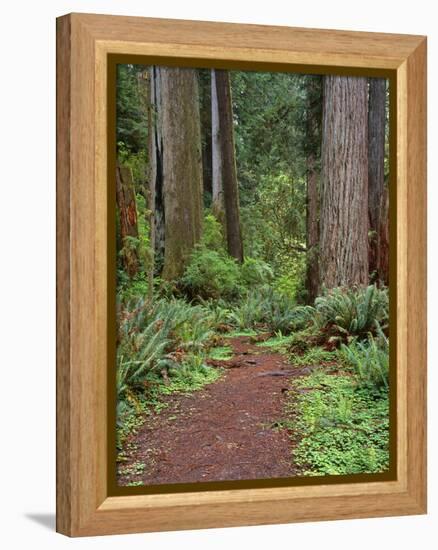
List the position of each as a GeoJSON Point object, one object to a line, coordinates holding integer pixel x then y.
{"type": "Point", "coordinates": [226, 431]}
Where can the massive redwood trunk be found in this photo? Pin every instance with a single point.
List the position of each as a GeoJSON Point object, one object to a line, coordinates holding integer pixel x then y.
{"type": "Point", "coordinates": [377, 189]}
{"type": "Point", "coordinates": [224, 163]}
{"type": "Point", "coordinates": [313, 147]}
{"type": "Point", "coordinates": [344, 182]}
{"type": "Point", "coordinates": [126, 205]}
{"type": "Point", "coordinates": [176, 167]}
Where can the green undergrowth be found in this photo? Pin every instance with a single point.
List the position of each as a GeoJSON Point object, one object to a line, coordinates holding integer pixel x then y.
{"type": "Point", "coordinates": [221, 353]}
{"type": "Point", "coordinates": [341, 428]}
{"type": "Point", "coordinates": [313, 356]}
{"type": "Point", "coordinates": [238, 333]}
{"type": "Point", "coordinates": [184, 379]}
{"type": "Point", "coordinates": [187, 379]}
{"type": "Point", "coordinates": [279, 343]}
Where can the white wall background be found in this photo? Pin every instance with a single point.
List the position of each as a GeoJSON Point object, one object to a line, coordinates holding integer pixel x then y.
{"type": "Point", "coordinates": [27, 286]}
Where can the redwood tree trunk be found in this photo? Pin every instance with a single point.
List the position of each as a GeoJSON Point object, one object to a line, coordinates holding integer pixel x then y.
{"type": "Point", "coordinates": [313, 146]}
{"type": "Point", "coordinates": [344, 179]}
{"type": "Point", "coordinates": [218, 203]}
{"type": "Point", "coordinates": [206, 140]}
{"type": "Point", "coordinates": [156, 191]}
{"type": "Point", "coordinates": [176, 167]}
{"type": "Point", "coordinates": [125, 198]}
{"type": "Point", "coordinates": [228, 164]}
{"type": "Point", "coordinates": [377, 190]}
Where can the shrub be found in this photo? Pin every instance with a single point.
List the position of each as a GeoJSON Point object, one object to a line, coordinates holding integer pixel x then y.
{"type": "Point", "coordinates": [211, 275]}
{"type": "Point", "coordinates": [370, 359]}
{"type": "Point", "coordinates": [166, 339]}
{"type": "Point", "coordinates": [351, 312]}
{"type": "Point", "coordinates": [212, 237]}
{"type": "Point", "coordinates": [256, 272]}
{"type": "Point", "coordinates": [219, 311]}
{"type": "Point", "coordinates": [134, 288]}
{"type": "Point", "coordinates": [249, 313]}
{"type": "Point", "coordinates": [192, 374]}
{"type": "Point", "coordinates": [290, 280]}
{"type": "Point", "coordinates": [138, 162]}
{"type": "Point", "coordinates": [265, 308]}
{"type": "Point", "coordinates": [154, 336]}
{"type": "Point", "coordinates": [140, 353]}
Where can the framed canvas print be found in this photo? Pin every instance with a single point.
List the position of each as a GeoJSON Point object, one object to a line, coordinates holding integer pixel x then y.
{"type": "Point", "coordinates": [241, 280]}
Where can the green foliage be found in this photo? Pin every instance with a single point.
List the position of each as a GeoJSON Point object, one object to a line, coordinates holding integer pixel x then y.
{"type": "Point", "coordinates": [136, 287]}
{"type": "Point", "coordinates": [244, 332]}
{"type": "Point", "coordinates": [137, 162]}
{"type": "Point", "coordinates": [340, 420]}
{"type": "Point", "coordinates": [268, 132]}
{"type": "Point", "coordinates": [140, 353]}
{"type": "Point", "coordinates": [370, 359]}
{"type": "Point", "coordinates": [134, 469]}
{"type": "Point", "coordinates": [341, 429]}
{"type": "Point", "coordinates": [274, 230]}
{"type": "Point", "coordinates": [277, 343]}
{"type": "Point", "coordinates": [190, 376]}
{"type": "Point", "coordinates": [131, 289]}
{"type": "Point", "coordinates": [169, 338]}
{"type": "Point", "coordinates": [151, 335]}
{"type": "Point", "coordinates": [264, 308]}
{"type": "Point", "coordinates": [131, 108]}
{"type": "Point", "coordinates": [305, 337]}
{"type": "Point", "coordinates": [281, 200]}
{"type": "Point", "coordinates": [219, 311]}
{"type": "Point", "coordinates": [291, 282]}
{"type": "Point", "coordinates": [313, 356]}
{"type": "Point", "coordinates": [221, 353]}
{"type": "Point", "coordinates": [211, 274]}
{"type": "Point", "coordinates": [256, 272]}
{"type": "Point", "coordinates": [212, 237]}
{"type": "Point", "coordinates": [352, 312]}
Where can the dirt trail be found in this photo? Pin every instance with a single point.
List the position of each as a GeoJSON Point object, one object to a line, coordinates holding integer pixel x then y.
{"type": "Point", "coordinates": [224, 431]}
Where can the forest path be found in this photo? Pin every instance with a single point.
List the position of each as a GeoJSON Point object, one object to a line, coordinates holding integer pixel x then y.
{"type": "Point", "coordinates": [224, 431]}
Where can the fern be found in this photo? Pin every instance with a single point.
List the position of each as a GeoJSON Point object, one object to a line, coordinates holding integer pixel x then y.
{"type": "Point", "coordinates": [370, 359]}
{"type": "Point", "coordinates": [352, 312]}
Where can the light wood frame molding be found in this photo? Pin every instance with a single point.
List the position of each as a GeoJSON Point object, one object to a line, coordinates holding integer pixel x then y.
{"type": "Point", "coordinates": [83, 44]}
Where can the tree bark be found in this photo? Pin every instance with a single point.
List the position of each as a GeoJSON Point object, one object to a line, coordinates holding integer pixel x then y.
{"type": "Point", "coordinates": [377, 190]}
{"type": "Point", "coordinates": [176, 167]}
{"type": "Point", "coordinates": [206, 140]}
{"type": "Point", "coordinates": [344, 179]}
{"type": "Point", "coordinates": [156, 191]}
{"type": "Point", "coordinates": [313, 146]}
{"type": "Point", "coordinates": [126, 204]}
{"type": "Point", "coordinates": [217, 202]}
{"type": "Point", "coordinates": [225, 161]}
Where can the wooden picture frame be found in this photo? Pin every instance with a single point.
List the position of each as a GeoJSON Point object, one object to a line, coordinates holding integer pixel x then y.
{"type": "Point", "coordinates": [84, 44]}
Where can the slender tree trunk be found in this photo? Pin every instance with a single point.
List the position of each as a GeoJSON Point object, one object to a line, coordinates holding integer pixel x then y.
{"type": "Point", "coordinates": [217, 203]}
{"type": "Point", "coordinates": [147, 190]}
{"type": "Point", "coordinates": [206, 140]}
{"type": "Point", "coordinates": [313, 141]}
{"type": "Point", "coordinates": [176, 167]}
{"type": "Point", "coordinates": [156, 191]}
{"type": "Point", "coordinates": [228, 164]}
{"type": "Point", "coordinates": [377, 190]}
{"type": "Point", "coordinates": [144, 90]}
{"type": "Point", "coordinates": [125, 198]}
{"type": "Point", "coordinates": [344, 179]}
